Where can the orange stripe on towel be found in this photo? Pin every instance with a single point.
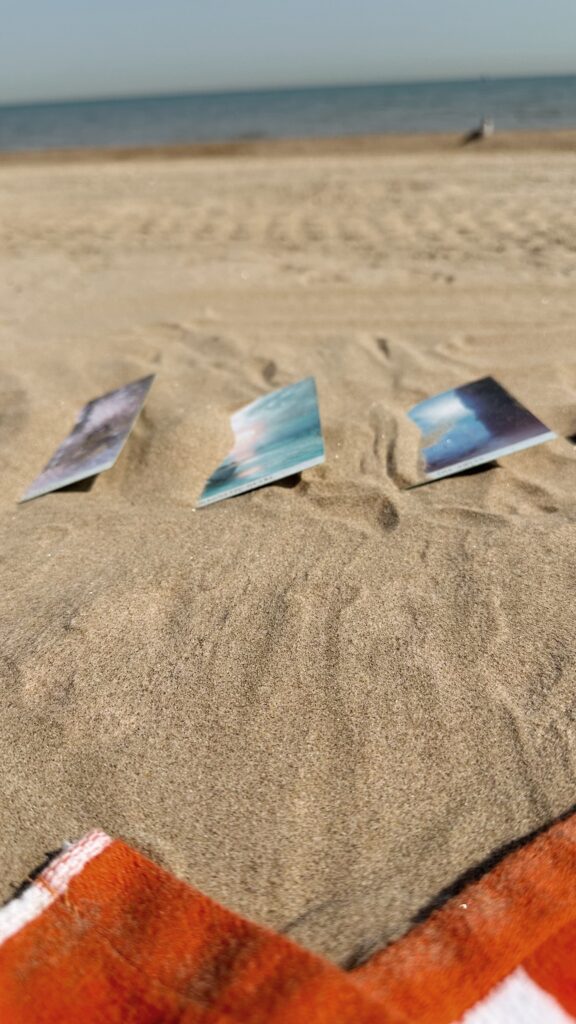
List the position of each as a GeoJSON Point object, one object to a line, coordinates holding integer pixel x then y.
{"type": "Point", "coordinates": [127, 942]}
{"type": "Point", "coordinates": [451, 961]}
{"type": "Point", "coordinates": [553, 966]}
{"type": "Point", "coordinates": [105, 935]}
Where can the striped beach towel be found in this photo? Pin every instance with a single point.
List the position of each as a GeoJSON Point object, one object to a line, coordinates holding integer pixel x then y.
{"type": "Point", "coordinates": [105, 935]}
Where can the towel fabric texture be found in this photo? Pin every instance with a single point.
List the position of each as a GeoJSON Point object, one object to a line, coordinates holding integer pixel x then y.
{"type": "Point", "coordinates": [105, 935]}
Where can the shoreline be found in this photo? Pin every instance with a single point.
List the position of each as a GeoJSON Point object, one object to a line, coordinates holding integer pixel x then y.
{"type": "Point", "coordinates": [344, 145]}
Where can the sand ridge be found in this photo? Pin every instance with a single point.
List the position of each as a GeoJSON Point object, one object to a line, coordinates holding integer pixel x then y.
{"type": "Point", "coordinates": [322, 701]}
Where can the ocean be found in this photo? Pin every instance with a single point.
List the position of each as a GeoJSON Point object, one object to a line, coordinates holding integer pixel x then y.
{"type": "Point", "coordinates": [514, 104]}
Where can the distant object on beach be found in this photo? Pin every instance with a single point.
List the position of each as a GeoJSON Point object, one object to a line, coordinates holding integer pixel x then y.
{"type": "Point", "coordinates": [484, 130]}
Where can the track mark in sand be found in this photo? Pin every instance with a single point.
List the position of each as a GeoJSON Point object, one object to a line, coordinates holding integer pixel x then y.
{"type": "Point", "coordinates": [172, 330]}
{"type": "Point", "coordinates": [394, 471]}
{"type": "Point", "coordinates": [391, 457]}
{"type": "Point", "coordinates": [394, 448]}
{"type": "Point", "coordinates": [384, 346]}
{"type": "Point", "coordinates": [525, 492]}
{"type": "Point", "coordinates": [367, 506]}
{"type": "Point", "coordinates": [384, 455]}
{"type": "Point", "coordinates": [424, 551]}
{"type": "Point", "coordinates": [295, 922]}
{"type": "Point", "coordinates": [198, 348]}
{"type": "Point", "coordinates": [269, 371]}
{"type": "Point", "coordinates": [472, 517]}
{"type": "Point", "coordinates": [395, 355]}
{"type": "Point", "coordinates": [378, 423]}
{"type": "Point", "coordinates": [388, 517]}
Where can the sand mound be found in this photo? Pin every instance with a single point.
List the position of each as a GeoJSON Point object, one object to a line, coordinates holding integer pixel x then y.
{"type": "Point", "coordinates": [323, 701]}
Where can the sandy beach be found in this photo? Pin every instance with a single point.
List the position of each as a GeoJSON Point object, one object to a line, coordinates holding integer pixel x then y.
{"type": "Point", "coordinates": [322, 702]}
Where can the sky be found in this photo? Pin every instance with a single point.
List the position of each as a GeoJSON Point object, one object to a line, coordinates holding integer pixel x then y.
{"type": "Point", "coordinates": [71, 49]}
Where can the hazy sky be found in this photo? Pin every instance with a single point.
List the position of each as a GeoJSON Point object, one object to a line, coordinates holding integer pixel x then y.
{"type": "Point", "coordinates": [53, 49]}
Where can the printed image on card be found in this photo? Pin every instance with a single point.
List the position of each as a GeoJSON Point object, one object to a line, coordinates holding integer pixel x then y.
{"type": "Point", "coordinates": [275, 436]}
{"type": "Point", "coordinates": [471, 425]}
{"type": "Point", "coordinates": [96, 439]}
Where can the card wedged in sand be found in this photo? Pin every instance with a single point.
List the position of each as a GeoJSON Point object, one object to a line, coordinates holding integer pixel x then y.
{"type": "Point", "coordinates": [471, 425]}
{"type": "Point", "coordinates": [275, 436]}
{"type": "Point", "coordinates": [96, 439]}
